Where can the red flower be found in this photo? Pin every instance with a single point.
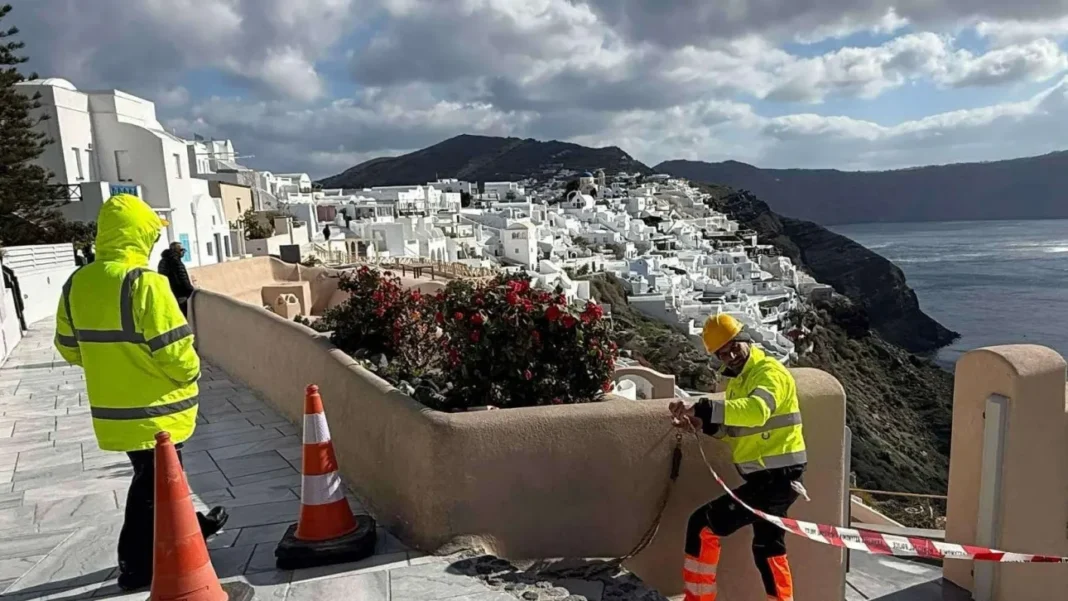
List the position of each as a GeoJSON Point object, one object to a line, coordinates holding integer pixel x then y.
{"type": "Point", "coordinates": [478, 300]}
{"type": "Point", "coordinates": [536, 335]}
{"type": "Point", "coordinates": [417, 296]}
{"type": "Point", "coordinates": [477, 319]}
{"type": "Point", "coordinates": [458, 316]}
{"type": "Point", "coordinates": [511, 298]}
{"type": "Point", "coordinates": [594, 311]}
{"type": "Point", "coordinates": [438, 317]}
{"type": "Point", "coordinates": [568, 321]}
{"type": "Point", "coordinates": [378, 296]}
{"type": "Point", "coordinates": [527, 375]}
{"type": "Point", "coordinates": [475, 336]}
{"type": "Point", "coordinates": [607, 385]}
{"type": "Point", "coordinates": [518, 286]}
{"type": "Point", "coordinates": [380, 311]}
{"type": "Point", "coordinates": [527, 306]}
{"type": "Point", "coordinates": [553, 313]}
{"type": "Point", "coordinates": [561, 299]}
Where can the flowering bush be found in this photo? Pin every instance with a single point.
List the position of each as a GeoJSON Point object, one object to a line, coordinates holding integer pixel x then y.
{"type": "Point", "coordinates": [498, 342]}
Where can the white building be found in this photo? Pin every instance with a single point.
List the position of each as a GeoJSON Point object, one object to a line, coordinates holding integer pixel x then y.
{"type": "Point", "coordinates": [519, 244]}
{"type": "Point", "coordinates": [110, 141]}
{"type": "Point", "coordinates": [503, 191]}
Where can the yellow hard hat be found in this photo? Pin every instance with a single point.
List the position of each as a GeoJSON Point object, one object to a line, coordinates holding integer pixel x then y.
{"type": "Point", "coordinates": [719, 330]}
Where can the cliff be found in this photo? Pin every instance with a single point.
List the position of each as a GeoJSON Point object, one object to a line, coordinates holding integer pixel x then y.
{"type": "Point", "coordinates": [1024, 188]}
{"type": "Point", "coordinates": [866, 278]}
{"type": "Point", "coordinates": [899, 406]}
{"type": "Point", "coordinates": [482, 159]}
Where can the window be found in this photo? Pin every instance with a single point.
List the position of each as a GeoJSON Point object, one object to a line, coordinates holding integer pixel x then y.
{"type": "Point", "coordinates": [517, 251]}
{"type": "Point", "coordinates": [239, 206]}
{"type": "Point", "coordinates": [178, 167]}
{"type": "Point", "coordinates": [211, 252]}
{"type": "Point", "coordinates": [89, 165]}
{"type": "Point", "coordinates": [78, 163]}
{"type": "Point", "coordinates": [226, 243]}
{"type": "Point", "coordinates": [213, 219]}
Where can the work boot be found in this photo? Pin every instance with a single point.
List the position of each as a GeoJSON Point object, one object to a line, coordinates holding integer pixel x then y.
{"type": "Point", "coordinates": [132, 579]}
{"type": "Point", "coordinates": [213, 522]}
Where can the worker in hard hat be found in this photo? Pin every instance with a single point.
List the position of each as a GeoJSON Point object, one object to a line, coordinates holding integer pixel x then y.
{"type": "Point", "coordinates": [120, 322]}
{"type": "Point", "coordinates": [760, 420]}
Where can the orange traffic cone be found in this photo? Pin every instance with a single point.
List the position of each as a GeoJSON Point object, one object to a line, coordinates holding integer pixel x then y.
{"type": "Point", "coordinates": [324, 510]}
{"type": "Point", "coordinates": [182, 569]}
{"type": "Point", "coordinates": [326, 530]}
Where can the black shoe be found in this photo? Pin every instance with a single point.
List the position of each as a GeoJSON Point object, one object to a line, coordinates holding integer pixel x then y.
{"type": "Point", "coordinates": [132, 581]}
{"type": "Point", "coordinates": [213, 522]}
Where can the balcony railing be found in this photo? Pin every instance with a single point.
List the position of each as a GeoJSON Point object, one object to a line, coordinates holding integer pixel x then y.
{"type": "Point", "coordinates": [66, 192]}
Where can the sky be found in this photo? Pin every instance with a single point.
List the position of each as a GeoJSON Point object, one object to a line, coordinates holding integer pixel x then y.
{"type": "Point", "coordinates": [321, 85]}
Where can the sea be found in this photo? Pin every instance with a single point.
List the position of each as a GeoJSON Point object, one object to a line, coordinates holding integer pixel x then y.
{"type": "Point", "coordinates": [994, 282]}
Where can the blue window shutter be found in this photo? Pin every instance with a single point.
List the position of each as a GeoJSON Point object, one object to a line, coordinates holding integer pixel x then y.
{"type": "Point", "coordinates": [184, 239]}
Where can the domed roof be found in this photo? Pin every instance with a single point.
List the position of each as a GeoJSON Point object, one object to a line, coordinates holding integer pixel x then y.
{"type": "Point", "coordinates": [57, 82]}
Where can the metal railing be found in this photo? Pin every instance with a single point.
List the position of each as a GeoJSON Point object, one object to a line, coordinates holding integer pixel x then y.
{"type": "Point", "coordinates": [66, 192]}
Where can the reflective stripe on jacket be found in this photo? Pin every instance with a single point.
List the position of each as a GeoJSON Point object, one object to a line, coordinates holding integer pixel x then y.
{"type": "Point", "coordinates": [121, 323]}
{"type": "Point", "coordinates": [760, 417]}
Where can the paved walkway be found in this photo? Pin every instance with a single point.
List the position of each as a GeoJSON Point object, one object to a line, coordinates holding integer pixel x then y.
{"type": "Point", "coordinates": [61, 502]}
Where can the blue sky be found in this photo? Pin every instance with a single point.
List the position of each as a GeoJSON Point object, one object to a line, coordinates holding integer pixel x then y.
{"type": "Point", "coordinates": [320, 85]}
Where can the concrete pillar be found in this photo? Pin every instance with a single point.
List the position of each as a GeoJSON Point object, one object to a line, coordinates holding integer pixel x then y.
{"type": "Point", "coordinates": [1008, 474]}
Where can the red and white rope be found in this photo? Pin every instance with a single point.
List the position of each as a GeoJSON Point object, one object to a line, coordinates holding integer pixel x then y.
{"type": "Point", "coordinates": [877, 543]}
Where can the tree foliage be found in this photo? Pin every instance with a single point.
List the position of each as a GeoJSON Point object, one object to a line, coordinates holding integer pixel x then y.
{"type": "Point", "coordinates": [258, 226]}
{"type": "Point", "coordinates": [28, 202]}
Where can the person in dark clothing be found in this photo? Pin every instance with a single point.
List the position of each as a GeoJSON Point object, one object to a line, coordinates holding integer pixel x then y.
{"type": "Point", "coordinates": [171, 265]}
{"type": "Point", "coordinates": [12, 281]}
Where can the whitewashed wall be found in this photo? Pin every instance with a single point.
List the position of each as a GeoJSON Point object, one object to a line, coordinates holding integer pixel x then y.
{"type": "Point", "coordinates": [42, 270]}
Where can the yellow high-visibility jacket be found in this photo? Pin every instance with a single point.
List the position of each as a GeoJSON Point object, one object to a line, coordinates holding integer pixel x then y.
{"type": "Point", "coordinates": [121, 323]}
{"type": "Point", "coordinates": [760, 417]}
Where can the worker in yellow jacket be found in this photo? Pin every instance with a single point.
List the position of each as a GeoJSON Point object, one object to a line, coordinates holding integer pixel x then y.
{"type": "Point", "coordinates": [760, 420]}
{"type": "Point", "coordinates": [120, 322]}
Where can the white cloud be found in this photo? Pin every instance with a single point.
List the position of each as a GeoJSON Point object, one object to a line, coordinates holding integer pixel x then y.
{"type": "Point", "coordinates": [662, 80]}
{"type": "Point", "coordinates": [272, 45]}
{"type": "Point", "coordinates": [1004, 33]}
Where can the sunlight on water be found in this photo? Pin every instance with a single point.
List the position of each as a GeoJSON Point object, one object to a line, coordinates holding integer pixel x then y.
{"type": "Point", "coordinates": [997, 282]}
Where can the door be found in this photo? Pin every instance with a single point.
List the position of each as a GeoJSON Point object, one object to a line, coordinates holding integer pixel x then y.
{"type": "Point", "coordinates": [218, 248]}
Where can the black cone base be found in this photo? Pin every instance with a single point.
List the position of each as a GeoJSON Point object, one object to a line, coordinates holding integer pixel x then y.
{"type": "Point", "coordinates": [293, 554]}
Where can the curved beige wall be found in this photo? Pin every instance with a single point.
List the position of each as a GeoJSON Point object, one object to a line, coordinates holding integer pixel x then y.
{"type": "Point", "coordinates": [243, 279]}
{"type": "Point", "coordinates": [569, 481]}
{"type": "Point", "coordinates": [1034, 494]}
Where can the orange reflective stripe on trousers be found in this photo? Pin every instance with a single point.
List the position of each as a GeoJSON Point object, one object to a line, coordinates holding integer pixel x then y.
{"type": "Point", "coordinates": [784, 581]}
{"type": "Point", "coordinates": [699, 573]}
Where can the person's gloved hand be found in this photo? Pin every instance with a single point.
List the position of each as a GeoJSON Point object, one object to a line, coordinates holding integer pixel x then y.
{"type": "Point", "coordinates": [682, 416]}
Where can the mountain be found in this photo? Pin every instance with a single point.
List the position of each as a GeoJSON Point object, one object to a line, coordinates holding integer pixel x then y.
{"type": "Point", "coordinates": [1025, 188]}
{"type": "Point", "coordinates": [482, 159]}
{"type": "Point", "coordinates": [869, 280]}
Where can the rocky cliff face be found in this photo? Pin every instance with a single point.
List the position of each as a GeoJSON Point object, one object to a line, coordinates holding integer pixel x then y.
{"type": "Point", "coordinates": [866, 278]}
{"type": "Point", "coordinates": [899, 406]}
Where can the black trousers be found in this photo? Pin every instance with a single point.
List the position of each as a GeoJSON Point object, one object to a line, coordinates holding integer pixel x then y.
{"type": "Point", "coordinates": [769, 491]}
{"type": "Point", "coordinates": [136, 537]}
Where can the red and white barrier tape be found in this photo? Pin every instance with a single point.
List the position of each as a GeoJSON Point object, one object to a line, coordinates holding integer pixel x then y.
{"type": "Point", "coordinates": [877, 543]}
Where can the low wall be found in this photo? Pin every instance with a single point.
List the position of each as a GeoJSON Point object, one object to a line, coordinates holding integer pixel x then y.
{"type": "Point", "coordinates": [243, 279]}
{"type": "Point", "coordinates": [1027, 489]}
{"type": "Point", "coordinates": [564, 481]}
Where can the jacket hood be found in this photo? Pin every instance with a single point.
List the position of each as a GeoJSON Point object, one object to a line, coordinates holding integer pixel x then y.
{"type": "Point", "coordinates": [126, 230]}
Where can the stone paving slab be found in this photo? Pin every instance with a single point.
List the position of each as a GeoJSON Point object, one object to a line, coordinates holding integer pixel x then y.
{"type": "Point", "coordinates": [62, 500]}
